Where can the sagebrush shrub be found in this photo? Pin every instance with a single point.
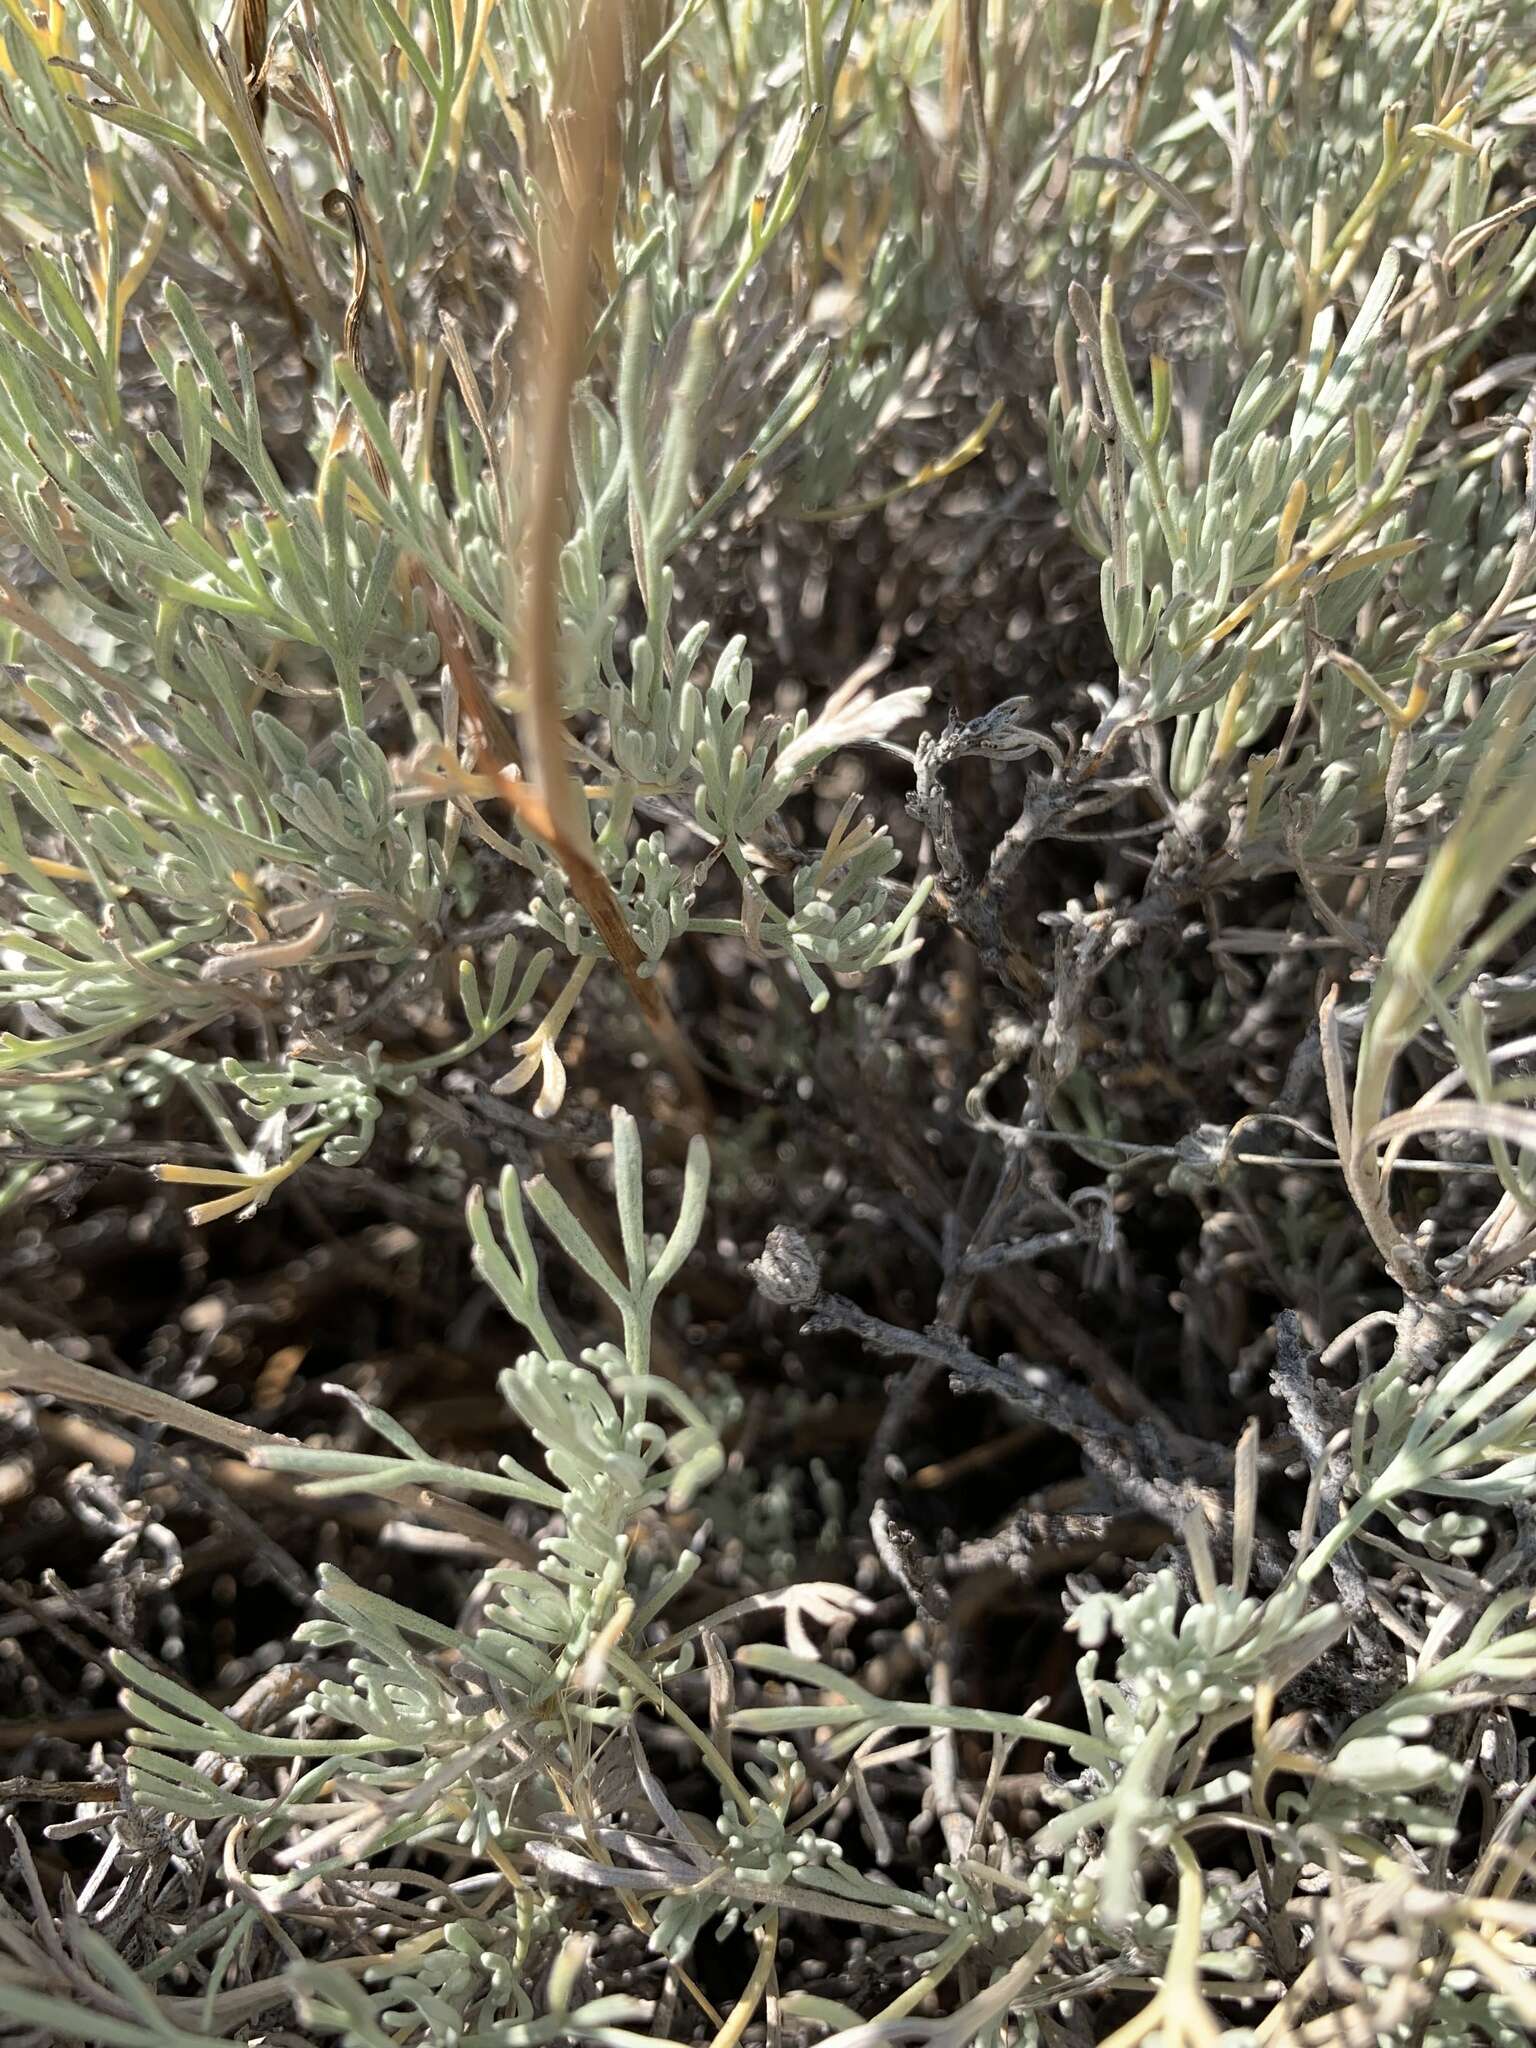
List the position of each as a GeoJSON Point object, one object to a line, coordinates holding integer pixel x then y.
{"type": "Point", "coordinates": [388, 403]}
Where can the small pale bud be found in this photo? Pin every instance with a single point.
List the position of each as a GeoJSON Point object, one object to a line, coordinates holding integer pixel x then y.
{"type": "Point", "coordinates": [788, 1271]}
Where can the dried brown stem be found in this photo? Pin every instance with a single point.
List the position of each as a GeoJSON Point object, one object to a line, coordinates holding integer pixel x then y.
{"type": "Point", "coordinates": [543, 793]}
{"type": "Point", "coordinates": [547, 798]}
{"type": "Point", "coordinates": [27, 1367]}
